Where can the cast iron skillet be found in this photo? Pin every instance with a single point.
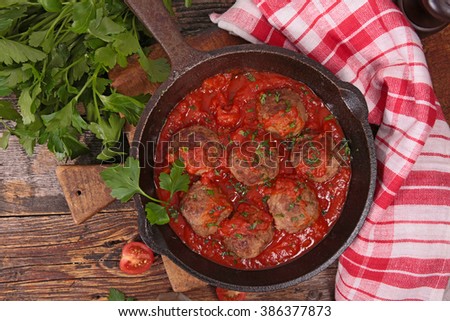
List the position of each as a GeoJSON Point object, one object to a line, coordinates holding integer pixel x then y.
{"type": "Point", "coordinates": [189, 69]}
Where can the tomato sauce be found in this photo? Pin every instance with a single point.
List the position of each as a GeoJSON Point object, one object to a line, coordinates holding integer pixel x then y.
{"type": "Point", "coordinates": [226, 104]}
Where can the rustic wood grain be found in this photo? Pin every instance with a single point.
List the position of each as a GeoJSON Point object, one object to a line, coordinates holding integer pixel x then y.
{"type": "Point", "coordinates": [437, 52]}
{"type": "Point", "coordinates": [29, 185]}
{"type": "Point", "coordinates": [180, 280]}
{"type": "Point", "coordinates": [84, 190]}
{"type": "Point", "coordinates": [45, 256]}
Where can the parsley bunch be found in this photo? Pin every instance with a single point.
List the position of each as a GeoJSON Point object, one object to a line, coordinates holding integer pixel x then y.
{"type": "Point", "coordinates": [123, 180]}
{"type": "Point", "coordinates": [54, 56]}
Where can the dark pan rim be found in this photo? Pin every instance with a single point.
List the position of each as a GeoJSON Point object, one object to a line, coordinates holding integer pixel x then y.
{"type": "Point", "coordinates": [355, 98]}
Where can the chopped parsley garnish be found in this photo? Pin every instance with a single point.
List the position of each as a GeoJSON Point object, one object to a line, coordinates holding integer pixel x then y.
{"type": "Point", "coordinates": [250, 76]}
{"type": "Point", "coordinates": [253, 225]}
{"type": "Point", "coordinates": [173, 212]}
{"type": "Point", "coordinates": [277, 97]}
{"type": "Point", "coordinates": [243, 133]}
{"type": "Point", "coordinates": [240, 188]}
{"type": "Point", "coordinates": [262, 99]}
{"type": "Point", "coordinates": [288, 106]}
{"type": "Point", "coordinates": [314, 156]}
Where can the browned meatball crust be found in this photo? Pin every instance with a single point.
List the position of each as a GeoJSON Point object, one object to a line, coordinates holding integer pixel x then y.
{"type": "Point", "coordinates": [313, 158]}
{"type": "Point", "coordinates": [293, 206]}
{"type": "Point", "coordinates": [248, 232]}
{"type": "Point", "coordinates": [199, 147]}
{"type": "Point", "coordinates": [282, 112]}
{"type": "Point", "coordinates": [204, 207]}
{"type": "Point", "coordinates": [253, 165]}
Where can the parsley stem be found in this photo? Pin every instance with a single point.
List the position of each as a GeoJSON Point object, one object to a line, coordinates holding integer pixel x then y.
{"type": "Point", "coordinates": [57, 20]}
{"type": "Point", "coordinates": [35, 26]}
{"type": "Point", "coordinates": [73, 64]}
{"type": "Point", "coordinates": [151, 198]}
{"type": "Point", "coordinates": [95, 92]}
{"type": "Point", "coordinates": [86, 85]}
{"type": "Point", "coordinates": [66, 32]}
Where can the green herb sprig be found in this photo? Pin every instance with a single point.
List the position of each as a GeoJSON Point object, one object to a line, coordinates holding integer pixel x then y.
{"type": "Point", "coordinates": [116, 295]}
{"type": "Point", "coordinates": [54, 57]}
{"type": "Point", "coordinates": [123, 180]}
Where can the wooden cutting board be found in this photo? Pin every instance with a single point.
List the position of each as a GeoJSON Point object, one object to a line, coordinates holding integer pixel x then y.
{"type": "Point", "coordinates": [83, 188]}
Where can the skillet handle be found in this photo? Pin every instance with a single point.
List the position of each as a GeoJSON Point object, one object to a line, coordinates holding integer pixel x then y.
{"type": "Point", "coordinates": [157, 20]}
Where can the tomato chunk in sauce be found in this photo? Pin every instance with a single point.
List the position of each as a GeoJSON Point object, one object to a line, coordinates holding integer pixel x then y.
{"type": "Point", "coordinates": [269, 167]}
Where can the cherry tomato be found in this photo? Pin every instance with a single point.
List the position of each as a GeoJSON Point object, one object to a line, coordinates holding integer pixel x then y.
{"type": "Point", "coordinates": [136, 258]}
{"type": "Point", "coordinates": [230, 295]}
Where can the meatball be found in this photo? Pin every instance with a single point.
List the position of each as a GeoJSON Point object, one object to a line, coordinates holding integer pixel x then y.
{"type": "Point", "coordinates": [313, 158]}
{"type": "Point", "coordinates": [254, 163]}
{"type": "Point", "coordinates": [204, 207]}
{"type": "Point", "coordinates": [248, 232]}
{"type": "Point", "coordinates": [294, 206]}
{"type": "Point", "coordinates": [282, 112]}
{"type": "Point", "coordinates": [199, 148]}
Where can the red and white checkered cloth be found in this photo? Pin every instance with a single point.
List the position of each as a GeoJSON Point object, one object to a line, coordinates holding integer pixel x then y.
{"type": "Point", "coordinates": [403, 249]}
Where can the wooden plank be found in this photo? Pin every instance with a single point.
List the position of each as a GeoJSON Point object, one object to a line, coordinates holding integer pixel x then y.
{"type": "Point", "coordinates": [29, 185]}
{"type": "Point", "coordinates": [180, 280]}
{"type": "Point", "coordinates": [48, 257]}
{"type": "Point", "coordinates": [437, 52]}
{"type": "Point", "coordinates": [84, 190]}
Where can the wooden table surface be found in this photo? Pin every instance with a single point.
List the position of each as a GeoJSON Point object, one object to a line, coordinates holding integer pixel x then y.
{"type": "Point", "coordinates": [44, 255]}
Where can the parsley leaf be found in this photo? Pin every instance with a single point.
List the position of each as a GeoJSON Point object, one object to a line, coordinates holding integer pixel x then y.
{"type": "Point", "coordinates": [4, 139]}
{"type": "Point", "coordinates": [176, 181]}
{"type": "Point", "coordinates": [13, 51]}
{"type": "Point", "coordinates": [123, 180]}
{"type": "Point", "coordinates": [105, 56]}
{"type": "Point", "coordinates": [131, 108]}
{"type": "Point", "coordinates": [156, 214]}
{"type": "Point", "coordinates": [158, 69]}
{"type": "Point", "coordinates": [7, 111]}
{"type": "Point", "coordinates": [116, 295]}
{"type": "Point", "coordinates": [55, 57]}
{"type": "Point", "coordinates": [51, 5]}
{"type": "Point", "coordinates": [83, 13]}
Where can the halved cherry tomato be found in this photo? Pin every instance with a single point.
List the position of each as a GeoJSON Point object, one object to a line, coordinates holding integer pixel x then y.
{"type": "Point", "coordinates": [230, 295]}
{"type": "Point", "coordinates": [136, 258]}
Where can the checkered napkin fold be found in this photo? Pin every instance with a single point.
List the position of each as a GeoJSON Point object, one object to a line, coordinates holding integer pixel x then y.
{"type": "Point", "coordinates": [403, 249]}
